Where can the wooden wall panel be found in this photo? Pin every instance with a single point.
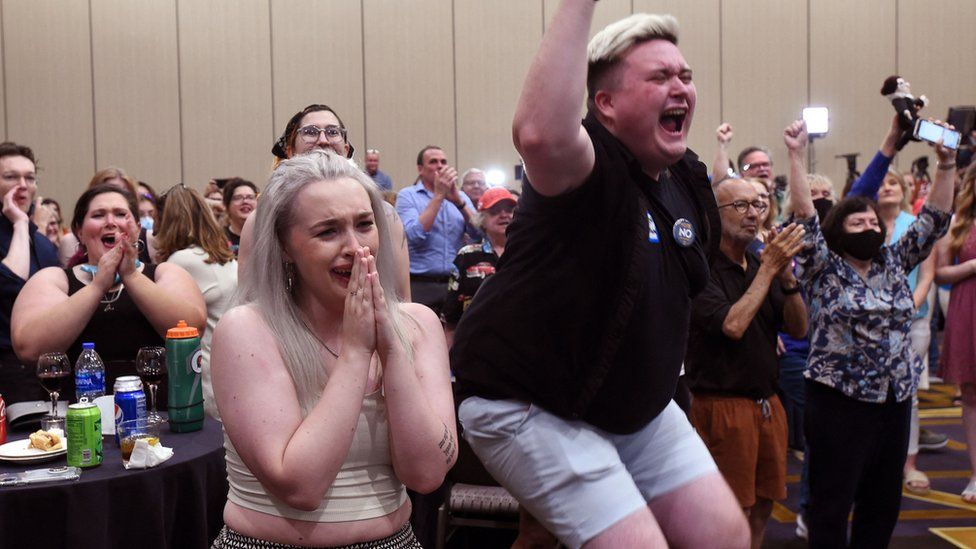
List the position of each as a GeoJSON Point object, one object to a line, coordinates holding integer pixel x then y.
{"type": "Point", "coordinates": [764, 72]}
{"type": "Point", "coordinates": [700, 44]}
{"type": "Point", "coordinates": [409, 69]}
{"type": "Point", "coordinates": [137, 94]}
{"type": "Point", "coordinates": [47, 59]}
{"type": "Point", "coordinates": [317, 57]}
{"type": "Point", "coordinates": [225, 85]}
{"type": "Point", "coordinates": [935, 45]}
{"type": "Point", "coordinates": [495, 41]}
{"type": "Point", "coordinates": [847, 68]}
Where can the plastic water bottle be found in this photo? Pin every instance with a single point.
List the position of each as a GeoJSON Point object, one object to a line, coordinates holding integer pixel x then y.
{"type": "Point", "coordinates": [89, 374]}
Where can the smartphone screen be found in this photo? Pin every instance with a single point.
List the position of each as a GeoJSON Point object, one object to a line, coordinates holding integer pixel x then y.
{"type": "Point", "coordinates": [932, 133]}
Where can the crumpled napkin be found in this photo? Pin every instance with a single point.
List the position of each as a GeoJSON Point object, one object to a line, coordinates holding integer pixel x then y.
{"type": "Point", "coordinates": [145, 456]}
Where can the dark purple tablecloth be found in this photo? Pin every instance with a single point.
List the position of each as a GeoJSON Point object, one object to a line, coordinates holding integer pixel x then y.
{"type": "Point", "coordinates": [178, 504]}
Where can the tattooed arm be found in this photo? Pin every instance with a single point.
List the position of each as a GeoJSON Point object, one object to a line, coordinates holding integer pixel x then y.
{"type": "Point", "coordinates": [420, 405]}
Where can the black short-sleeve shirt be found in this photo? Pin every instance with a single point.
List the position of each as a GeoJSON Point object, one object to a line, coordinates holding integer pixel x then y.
{"type": "Point", "coordinates": [587, 313]}
{"type": "Point", "coordinates": [716, 364]}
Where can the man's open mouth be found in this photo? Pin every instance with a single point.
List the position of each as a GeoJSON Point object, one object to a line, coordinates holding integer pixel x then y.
{"type": "Point", "coordinates": [673, 120]}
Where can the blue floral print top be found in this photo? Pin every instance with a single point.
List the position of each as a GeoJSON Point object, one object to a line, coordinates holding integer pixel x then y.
{"type": "Point", "coordinates": [859, 341]}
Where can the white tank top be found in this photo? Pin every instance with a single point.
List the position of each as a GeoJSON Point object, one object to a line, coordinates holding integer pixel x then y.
{"type": "Point", "coordinates": [366, 486]}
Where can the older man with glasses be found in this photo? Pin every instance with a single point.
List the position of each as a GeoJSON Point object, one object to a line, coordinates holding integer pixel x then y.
{"type": "Point", "coordinates": [731, 365]}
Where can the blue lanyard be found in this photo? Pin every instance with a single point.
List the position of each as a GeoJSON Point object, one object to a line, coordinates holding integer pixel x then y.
{"type": "Point", "coordinates": [93, 270]}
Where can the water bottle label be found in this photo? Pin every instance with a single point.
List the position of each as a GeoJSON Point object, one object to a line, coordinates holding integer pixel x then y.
{"type": "Point", "coordinates": [90, 382]}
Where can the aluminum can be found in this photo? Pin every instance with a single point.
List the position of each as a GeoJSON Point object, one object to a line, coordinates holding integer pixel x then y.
{"type": "Point", "coordinates": [3, 421]}
{"type": "Point", "coordinates": [84, 427]}
{"type": "Point", "coordinates": [130, 400]}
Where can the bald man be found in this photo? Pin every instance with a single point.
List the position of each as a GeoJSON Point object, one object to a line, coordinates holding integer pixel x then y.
{"type": "Point", "coordinates": [731, 365]}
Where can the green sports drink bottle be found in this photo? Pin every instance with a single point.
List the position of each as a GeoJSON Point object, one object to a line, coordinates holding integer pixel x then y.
{"type": "Point", "coordinates": [183, 365]}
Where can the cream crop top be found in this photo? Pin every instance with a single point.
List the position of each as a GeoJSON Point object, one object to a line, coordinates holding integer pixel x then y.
{"type": "Point", "coordinates": [366, 486]}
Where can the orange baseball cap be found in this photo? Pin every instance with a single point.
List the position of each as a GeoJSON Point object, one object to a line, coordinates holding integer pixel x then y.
{"type": "Point", "coordinates": [493, 196]}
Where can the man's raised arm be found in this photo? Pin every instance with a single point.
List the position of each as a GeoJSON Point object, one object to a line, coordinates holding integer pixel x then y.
{"type": "Point", "coordinates": [557, 152]}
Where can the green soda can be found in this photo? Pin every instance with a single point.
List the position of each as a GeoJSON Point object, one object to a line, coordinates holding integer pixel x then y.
{"type": "Point", "coordinates": [84, 427]}
{"type": "Point", "coordinates": [184, 363]}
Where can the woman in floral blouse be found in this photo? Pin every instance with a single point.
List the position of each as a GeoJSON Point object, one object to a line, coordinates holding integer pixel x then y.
{"type": "Point", "coordinates": [862, 370]}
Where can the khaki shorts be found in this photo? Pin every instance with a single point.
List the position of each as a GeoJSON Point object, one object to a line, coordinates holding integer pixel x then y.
{"type": "Point", "coordinates": [748, 446]}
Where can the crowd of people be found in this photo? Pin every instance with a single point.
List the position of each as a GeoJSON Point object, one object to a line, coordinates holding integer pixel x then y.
{"type": "Point", "coordinates": [558, 326]}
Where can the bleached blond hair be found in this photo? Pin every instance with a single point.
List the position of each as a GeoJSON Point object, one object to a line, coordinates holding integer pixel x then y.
{"type": "Point", "coordinates": [264, 285]}
{"type": "Point", "coordinates": [606, 48]}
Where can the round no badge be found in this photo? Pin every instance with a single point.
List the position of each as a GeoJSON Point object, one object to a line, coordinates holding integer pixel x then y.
{"type": "Point", "coordinates": [684, 232]}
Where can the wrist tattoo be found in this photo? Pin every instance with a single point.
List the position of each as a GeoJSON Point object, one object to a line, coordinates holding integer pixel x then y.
{"type": "Point", "coordinates": [447, 445]}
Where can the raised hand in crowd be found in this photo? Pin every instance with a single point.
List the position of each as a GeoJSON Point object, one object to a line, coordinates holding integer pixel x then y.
{"type": "Point", "coordinates": [721, 164]}
{"type": "Point", "coordinates": [795, 137]}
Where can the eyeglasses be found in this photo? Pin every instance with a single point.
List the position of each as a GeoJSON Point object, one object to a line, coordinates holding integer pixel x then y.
{"type": "Point", "coordinates": [756, 165]}
{"type": "Point", "coordinates": [310, 134]}
{"type": "Point", "coordinates": [237, 198]}
{"type": "Point", "coordinates": [742, 206]}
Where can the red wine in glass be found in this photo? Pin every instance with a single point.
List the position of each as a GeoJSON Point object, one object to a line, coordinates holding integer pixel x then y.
{"type": "Point", "coordinates": [52, 369]}
{"type": "Point", "coordinates": [53, 382]}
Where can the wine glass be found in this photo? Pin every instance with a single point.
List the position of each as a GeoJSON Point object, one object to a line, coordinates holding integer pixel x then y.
{"type": "Point", "coordinates": [52, 369]}
{"type": "Point", "coordinates": [151, 366]}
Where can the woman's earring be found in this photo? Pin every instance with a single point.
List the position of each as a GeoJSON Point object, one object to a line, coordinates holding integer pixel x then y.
{"type": "Point", "coordinates": [289, 277]}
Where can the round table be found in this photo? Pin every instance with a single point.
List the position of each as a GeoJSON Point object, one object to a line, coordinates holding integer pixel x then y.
{"type": "Point", "coordinates": [176, 504]}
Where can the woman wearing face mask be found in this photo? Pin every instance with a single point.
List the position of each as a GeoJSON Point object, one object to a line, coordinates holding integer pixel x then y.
{"type": "Point", "coordinates": [862, 370]}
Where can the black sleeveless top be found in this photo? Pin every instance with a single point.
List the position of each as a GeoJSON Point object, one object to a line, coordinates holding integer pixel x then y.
{"type": "Point", "coordinates": [118, 330]}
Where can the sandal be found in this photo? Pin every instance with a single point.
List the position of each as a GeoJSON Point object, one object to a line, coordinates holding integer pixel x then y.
{"type": "Point", "coordinates": [917, 483]}
{"type": "Point", "coordinates": [969, 494]}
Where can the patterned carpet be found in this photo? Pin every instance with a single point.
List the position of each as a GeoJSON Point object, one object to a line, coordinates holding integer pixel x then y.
{"type": "Point", "coordinates": [939, 519]}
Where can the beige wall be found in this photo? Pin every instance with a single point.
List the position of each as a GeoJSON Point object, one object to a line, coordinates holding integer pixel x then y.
{"type": "Point", "coordinates": [185, 90]}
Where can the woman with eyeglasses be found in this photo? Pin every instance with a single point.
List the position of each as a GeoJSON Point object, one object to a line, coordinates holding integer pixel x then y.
{"type": "Point", "coordinates": [334, 395]}
{"type": "Point", "coordinates": [240, 198]}
{"type": "Point", "coordinates": [189, 236]}
{"type": "Point", "coordinates": [862, 370]}
{"type": "Point", "coordinates": [110, 298]}
{"type": "Point", "coordinates": [319, 127]}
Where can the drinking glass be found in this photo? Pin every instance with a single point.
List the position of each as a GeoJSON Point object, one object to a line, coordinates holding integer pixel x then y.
{"type": "Point", "coordinates": [52, 370]}
{"type": "Point", "coordinates": [132, 430]}
{"type": "Point", "coordinates": [151, 366]}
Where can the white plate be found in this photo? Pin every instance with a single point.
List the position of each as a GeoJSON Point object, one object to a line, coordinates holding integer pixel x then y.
{"type": "Point", "coordinates": [19, 451]}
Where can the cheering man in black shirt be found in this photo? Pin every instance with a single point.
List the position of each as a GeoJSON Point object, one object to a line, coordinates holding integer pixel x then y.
{"type": "Point", "coordinates": [567, 358]}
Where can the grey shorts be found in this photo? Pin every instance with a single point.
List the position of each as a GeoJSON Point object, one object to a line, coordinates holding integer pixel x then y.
{"type": "Point", "coordinates": [576, 479]}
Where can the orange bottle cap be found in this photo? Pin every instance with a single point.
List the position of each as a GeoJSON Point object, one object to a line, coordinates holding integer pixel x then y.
{"type": "Point", "coordinates": [182, 331]}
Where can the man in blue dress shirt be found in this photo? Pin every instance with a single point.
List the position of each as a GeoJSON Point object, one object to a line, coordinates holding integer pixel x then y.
{"type": "Point", "coordinates": [436, 215]}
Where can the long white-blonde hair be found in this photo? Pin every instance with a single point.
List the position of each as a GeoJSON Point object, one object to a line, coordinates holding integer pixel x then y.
{"type": "Point", "coordinates": [263, 285]}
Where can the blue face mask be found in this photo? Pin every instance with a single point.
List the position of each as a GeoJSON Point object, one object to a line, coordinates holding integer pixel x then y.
{"type": "Point", "coordinates": [146, 223]}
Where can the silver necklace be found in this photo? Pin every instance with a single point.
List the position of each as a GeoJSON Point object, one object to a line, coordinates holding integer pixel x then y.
{"type": "Point", "coordinates": [108, 301]}
{"type": "Point", "coordinates": [317, 338]}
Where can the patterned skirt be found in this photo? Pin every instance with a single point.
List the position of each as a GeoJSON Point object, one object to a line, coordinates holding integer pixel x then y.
{"type": "Point", "coordinates": [401, 539]}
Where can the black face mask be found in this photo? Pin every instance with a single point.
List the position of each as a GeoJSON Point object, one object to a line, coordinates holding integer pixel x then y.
{"type": "Point", "coordinates": [864, 245]}
{"type": "Point", "coordinates": [823, 205]}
